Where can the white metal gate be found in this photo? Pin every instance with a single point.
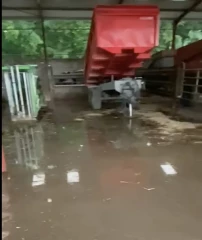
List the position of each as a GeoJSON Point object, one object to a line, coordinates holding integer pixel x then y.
{"type": "Point", "coordinates": [22, 93]}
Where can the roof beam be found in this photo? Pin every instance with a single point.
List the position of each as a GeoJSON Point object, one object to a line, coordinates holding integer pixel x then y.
{"type": "Point", "coordinates": [86, 9]}
{"type": "Point", "coordinates": [46, 9]}
{"type": "Point", "coordinates": [40, 12]}
{"type": "Point", "coordinates": [80, 13]}
{"type": "Point", "coordinates": [188, 10]}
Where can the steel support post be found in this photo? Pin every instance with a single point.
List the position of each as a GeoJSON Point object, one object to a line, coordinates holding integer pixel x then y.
{"type": "Point", "coordinates": [44, 69]}
{"type": "Point", "coordinates": [174, 34]}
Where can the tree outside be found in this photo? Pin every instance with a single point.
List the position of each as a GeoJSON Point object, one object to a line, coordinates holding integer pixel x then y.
{"type": "Point", "coordinates": [68, 39]}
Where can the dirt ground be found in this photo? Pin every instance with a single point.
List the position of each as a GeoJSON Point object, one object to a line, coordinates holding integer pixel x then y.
{"type": "Point", "coordinates": [80, 174]}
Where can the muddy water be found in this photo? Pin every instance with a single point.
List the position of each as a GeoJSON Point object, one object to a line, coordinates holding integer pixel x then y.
{"type": "Point", "coordinates": [85, 176]}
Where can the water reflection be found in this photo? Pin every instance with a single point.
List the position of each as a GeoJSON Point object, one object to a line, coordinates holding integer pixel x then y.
{"type": "Point", "coordinates": [6, 214]}
{"type": "Point", "coordinates": [29, 146]}
{"type": "Point", "coordinates": [73, 176]}
{"type": "Point", "coordinates": [168, 169]}
{"type": "Point", "coordinates": [38, 179]}
{"type": "Point", "coordinates": [128, 138]}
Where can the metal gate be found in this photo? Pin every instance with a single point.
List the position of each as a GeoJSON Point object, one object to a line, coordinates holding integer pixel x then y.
{"type": "Point", "coordinates": [192, 86]}
{"type": "Point", "coordinates": [23, 93]}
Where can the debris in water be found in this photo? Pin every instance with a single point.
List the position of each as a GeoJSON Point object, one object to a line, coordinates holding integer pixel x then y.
{"type": "Point", "coordinates": [163, 143]}
{"type": "Point", "coordinates": [138, 174]}
{"type": "Point", "coordinates": [94, 114]}
{"type": "Point", "coordinates": [49, 200]}
{"type": "Point", "coordinates": [18, 227]}
{"type": "Point", "coordinates": [51, 167]}
{"type": "Point", "coordinates": [79, 119]}
{"type": "Point", "coordinates": [126, 182]}
{"type": "Point", "coordinates": [80, 148]}
{"type": "Point", "coordinates": [149, 189]}
{"type": "Point", "coordinates": [198, 142]}
{"type": "Point", "coordinates": [63, 127]}
{"type": "Point", "coordinates": [149, 144]}
{"type": "Point", "coordinates": [106, 199]}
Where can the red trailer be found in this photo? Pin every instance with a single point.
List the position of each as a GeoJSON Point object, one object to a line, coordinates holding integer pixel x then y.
{"type": "Point", "coordinates": [161, 73]}
{"type": "Point", "coordinates": [121, 37]}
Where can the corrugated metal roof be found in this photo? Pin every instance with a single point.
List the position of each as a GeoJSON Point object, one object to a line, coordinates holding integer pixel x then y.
{"type": "Point", "coordinates": [78, 9]}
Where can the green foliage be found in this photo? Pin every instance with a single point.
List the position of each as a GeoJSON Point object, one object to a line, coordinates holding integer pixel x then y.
{"type": "Point", "coordinates": [20, 42]}
{"type": "Point", "coordinates": [68, 39]}
{"type": "Point", "coordinates": [64, 39]}
{"type": "Point", "coordinates": [187, 32]}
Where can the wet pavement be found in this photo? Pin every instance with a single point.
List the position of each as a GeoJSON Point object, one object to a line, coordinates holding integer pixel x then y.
{"type": "Point", "coordinates": [92, 176]}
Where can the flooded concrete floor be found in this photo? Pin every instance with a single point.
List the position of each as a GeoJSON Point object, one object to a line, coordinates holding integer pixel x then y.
{"type": "Point", "coordinates": [77, 175]}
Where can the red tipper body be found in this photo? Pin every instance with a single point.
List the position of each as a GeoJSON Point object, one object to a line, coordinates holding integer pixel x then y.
{"type": "Point", "coordinates": [121, 37]}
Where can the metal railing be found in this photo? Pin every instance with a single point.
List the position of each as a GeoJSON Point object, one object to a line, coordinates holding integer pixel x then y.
{"type": "Point", "coordinates": [191, 89]}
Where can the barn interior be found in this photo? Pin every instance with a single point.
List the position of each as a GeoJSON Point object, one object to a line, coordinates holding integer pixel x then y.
{"type": "Point", "coordinates": [83, 157]}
